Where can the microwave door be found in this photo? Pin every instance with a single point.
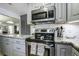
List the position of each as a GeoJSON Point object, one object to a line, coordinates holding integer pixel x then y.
{"type": "Point", "coordinates": [40, 15]}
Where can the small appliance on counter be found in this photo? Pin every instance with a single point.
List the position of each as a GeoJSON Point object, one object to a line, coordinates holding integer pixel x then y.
{"type": "Point", "coordinates": [59, 31]}
{"type": "Point", "coordinates": [43, 44]}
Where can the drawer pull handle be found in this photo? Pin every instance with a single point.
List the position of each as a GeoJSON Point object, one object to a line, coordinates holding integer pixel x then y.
{"type": "Point", "coordinates": [17, 42]}
{"type": "Point", "coordinates": [18, 48]}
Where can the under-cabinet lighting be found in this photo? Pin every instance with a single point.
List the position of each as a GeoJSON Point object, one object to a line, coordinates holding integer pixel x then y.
{"type": "Point", "coordinates": [74, 21]}
{"type": "Point", "coordinates": [10, 22]}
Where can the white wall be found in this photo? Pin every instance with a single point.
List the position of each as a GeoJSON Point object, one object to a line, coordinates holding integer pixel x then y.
{"type": "Point", "coordinates": [71, 30]}
{"type": "Point", "coordinates": [11, 29]}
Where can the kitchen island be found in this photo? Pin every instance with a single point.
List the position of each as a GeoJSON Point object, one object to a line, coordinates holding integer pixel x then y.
{"type": "Point", "coordinates": [13, 45]}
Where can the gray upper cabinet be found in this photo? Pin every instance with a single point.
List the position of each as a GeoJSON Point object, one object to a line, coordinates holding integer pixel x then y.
{"type": "Point", "coordinates": [36, 6]}
{"type": "Point", "coordinates": [40, 5]}
{"type": "Point", "coordinates": [73, 11]}
{"type": "Point", "coordinates": [63, 50]}
{"type": "Point", "coordinates": [25, 28]}
{"type": "Point", "coordinates": [60, 12]}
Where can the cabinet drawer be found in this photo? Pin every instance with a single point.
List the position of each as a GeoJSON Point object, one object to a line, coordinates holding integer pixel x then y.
{"type": "Point", "coordinates": [20, 48]}
{"type": "Point", "coordinates": [17, 53]}
{"type": "Point", "coordinates": [19, 41]}
{"type": "Point", "coordinates": [5, 40]}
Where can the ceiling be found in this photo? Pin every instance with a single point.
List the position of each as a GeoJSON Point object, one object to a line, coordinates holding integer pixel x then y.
{"type": "Point", "coordinates": [19, 8]}
{"type": "Point", "coordinates": [5, 19]}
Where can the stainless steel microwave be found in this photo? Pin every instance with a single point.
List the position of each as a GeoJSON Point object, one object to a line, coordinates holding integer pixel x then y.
{"type": "Point", "coordinates": [43, 14]}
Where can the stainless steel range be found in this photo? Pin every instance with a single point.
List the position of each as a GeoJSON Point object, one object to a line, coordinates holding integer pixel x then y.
{"type": "Point", "coordinates": [44, 40]}
{"type": "Point", "coordinates": [46, 35]}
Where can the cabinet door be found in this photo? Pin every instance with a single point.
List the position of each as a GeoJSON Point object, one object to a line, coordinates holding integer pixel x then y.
{"type": "Point", "coordinates": [63, 50]}
{"type": "Point", "coordinates": [73, 11]}
{"type": "Point", "coordinates": [35, 6]}
{"type": "Point", "coordinates": [19, 41]}
{"type": "Point", "coordinates": [75, 52]}
{"type": "Point", "coordinates": [19, 47]}
{"type": "Point", "coordinates": [8, 50]}
{"type": "Point", "coordinates": [60, 12]}
{"type": "Point", "coordinates": [0, 44]}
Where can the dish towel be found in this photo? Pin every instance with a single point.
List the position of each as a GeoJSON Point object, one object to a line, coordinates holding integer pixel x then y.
{"type": "Point", "coordinates": [40, 49]}
{"type": "Point", "coordinates": [33, 48]}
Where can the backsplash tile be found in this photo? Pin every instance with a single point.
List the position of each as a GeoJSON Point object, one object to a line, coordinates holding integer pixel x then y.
{"type": "Point", "coordinates": [70, 30]}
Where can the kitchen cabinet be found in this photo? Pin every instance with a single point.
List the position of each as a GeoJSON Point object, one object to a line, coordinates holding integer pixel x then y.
{"type": "Point", "coordinates": [63, 50]}
{"type": "Point", "coordinates": [13, 46]}
{"type": "Point", "coordinates": [0, 44]}
{"type": "Point", "coordinates": [72, 11]}
{"type": "Point", "coordinates": [60, 12]}
{"type": "Point", "coordinates": [75, 52]}
{"type": "Point", "coordinates": [25, 28]}
{"type": "Point", "coordinates": [17, 53]}
{"type": "Point", "coordinates": [19, 47]}
{"type": "Point", "coordinates": [40, 5]}
{"type": "Point", "coordinates": [35, 6]}
{"type": "Point", "coordinates": [6, 46]}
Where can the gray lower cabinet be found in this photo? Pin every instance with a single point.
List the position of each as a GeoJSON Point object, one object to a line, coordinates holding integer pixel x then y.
{"type": "Point", "coordinates": [63, 50]}
{"type": "Point", "coordinates": [19, 47]}
{"type": "Point", "coordinates": [13, 46]}
{"type": "Point", "coordinates": [6, 46]}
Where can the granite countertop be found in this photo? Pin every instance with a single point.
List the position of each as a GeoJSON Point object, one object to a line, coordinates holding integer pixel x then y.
{"type": "Point", "coordinates": [73, 43]}
{"type": "Point", "coordinates": [16, 36]}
